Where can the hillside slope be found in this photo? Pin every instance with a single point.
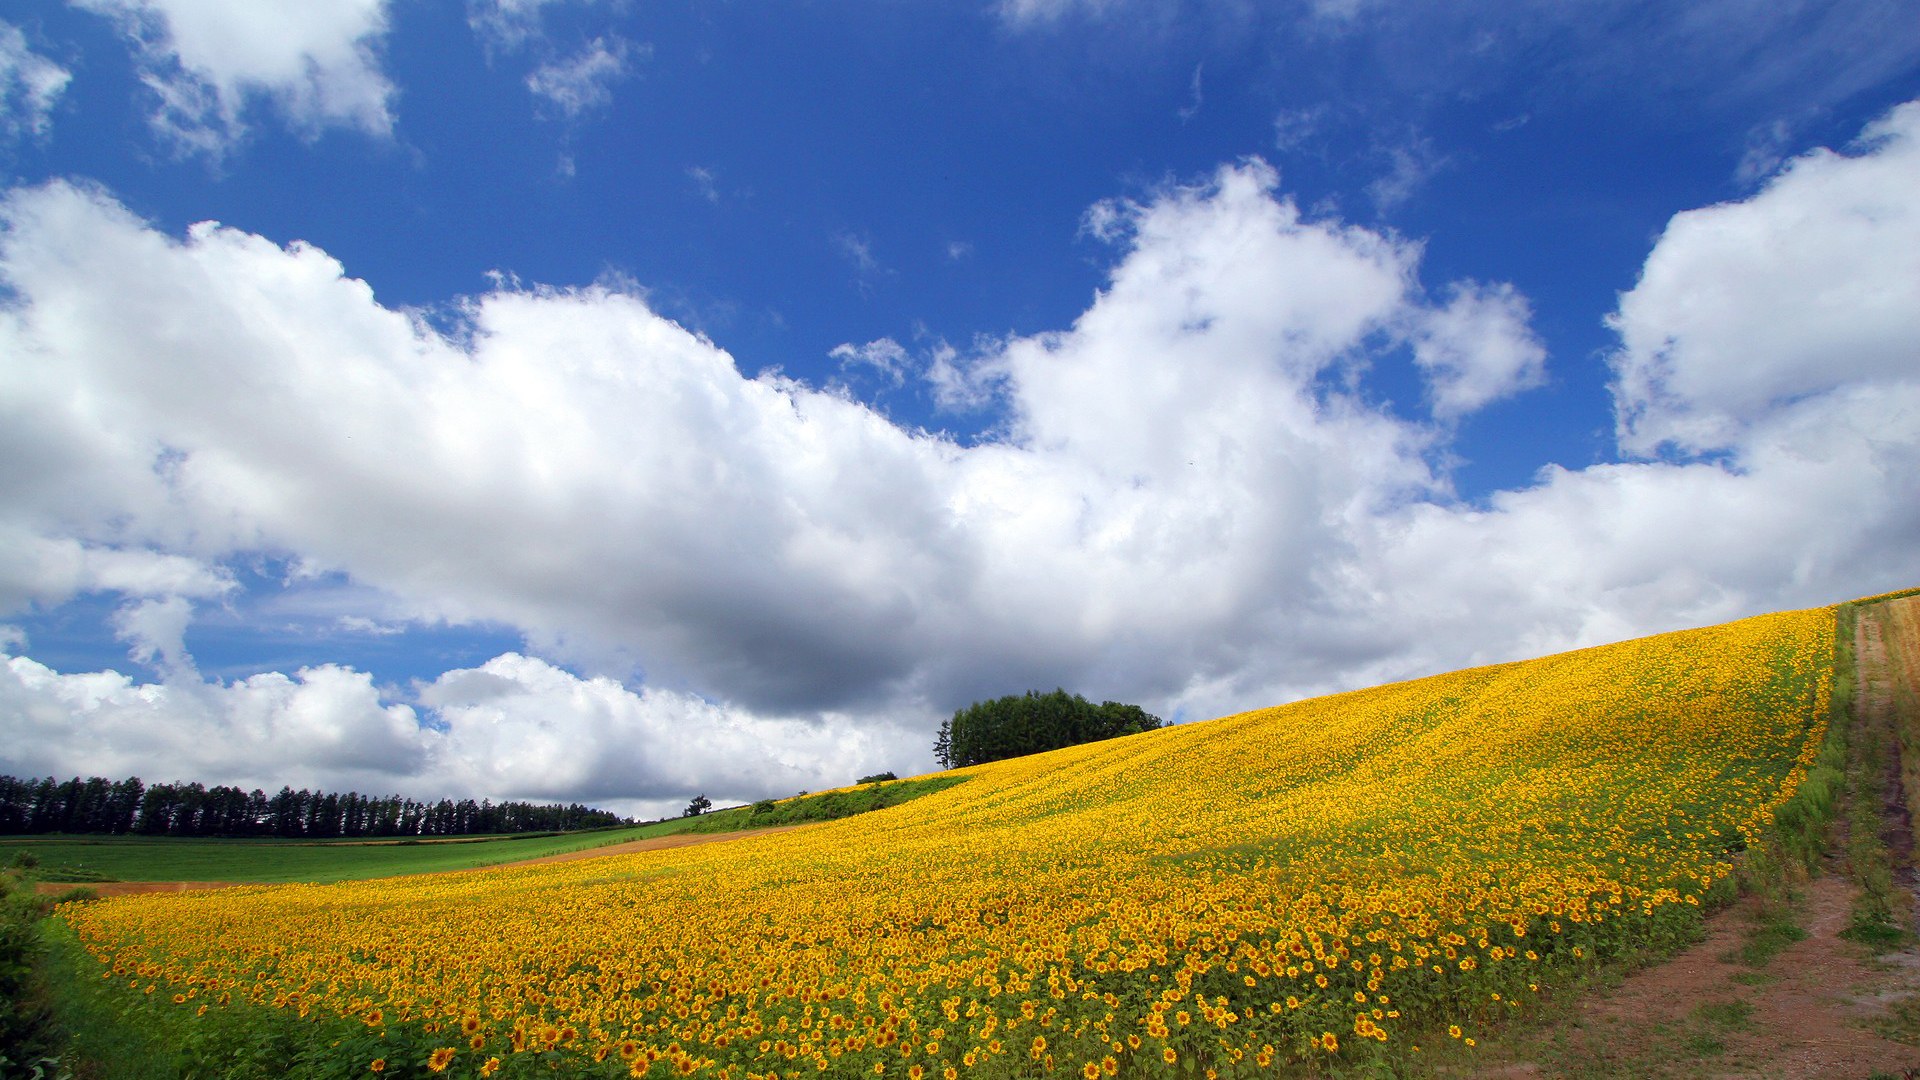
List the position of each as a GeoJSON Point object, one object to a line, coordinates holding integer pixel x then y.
{"type": "Point", "coordinates": [1843, 1000]}
{"type": "Point", "coordinates": [1343, 876]}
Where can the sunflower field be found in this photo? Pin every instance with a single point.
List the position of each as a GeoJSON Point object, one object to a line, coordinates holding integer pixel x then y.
{"type": "Point", "coordinates": [1318, 882]}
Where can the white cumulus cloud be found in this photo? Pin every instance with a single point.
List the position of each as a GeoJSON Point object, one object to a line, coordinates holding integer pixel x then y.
{"type": "Point", "coordinates": [1188, 498]}
{"type": "Point", "coordinates": [157, 632]}
{"type": "Point", "coordinates": [1478, 349]}
{"type": "Point", "coordinates": [519, 725]}
{"type": "Point", "coordinates": [1748, 310]}
{"type": "Point", "coordinates": [206, 61]}
{"type": "Point", "coordinates": [323, 726]}
{"type": "Point", "coordinates": [513, 728]}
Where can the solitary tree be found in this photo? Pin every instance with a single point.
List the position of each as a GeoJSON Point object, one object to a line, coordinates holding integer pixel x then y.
{"type": "Point", "coordinates": [700, 805]}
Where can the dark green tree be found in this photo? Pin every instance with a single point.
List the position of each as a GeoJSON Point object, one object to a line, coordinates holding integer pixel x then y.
{"type": "Point", "coordinates": [1029, 723]}
{"type": "Point", "coordinates": [700, 805]}
{"type": "Point", "coordinates": [100, 806]}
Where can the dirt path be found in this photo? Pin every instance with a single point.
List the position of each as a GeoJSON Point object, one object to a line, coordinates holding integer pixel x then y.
{"type": "Point", "coordinates": [1894, 692]}
{"type": "Point", "coordinates": [1819, 1010]}
{"type": "Point", "coordinates": [1810, 1013]}
{"type": "Point", "coordinates": [657, 843]}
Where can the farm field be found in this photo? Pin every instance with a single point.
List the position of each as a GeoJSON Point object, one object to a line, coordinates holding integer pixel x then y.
{"type": "Point", "coordinates": [91, 859]}
{"type": "Point", "coordinates": [84, 859]}
{"type": "Point", "coordinates": [1324, 883]}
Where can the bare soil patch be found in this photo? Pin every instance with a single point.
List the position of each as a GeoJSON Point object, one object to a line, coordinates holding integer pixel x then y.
{"type": "Point", "coordinates": [1814, 1012]}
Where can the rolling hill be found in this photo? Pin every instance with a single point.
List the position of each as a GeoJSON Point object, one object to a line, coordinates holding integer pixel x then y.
{"type": "Point", "coordinates": [1335, 880]}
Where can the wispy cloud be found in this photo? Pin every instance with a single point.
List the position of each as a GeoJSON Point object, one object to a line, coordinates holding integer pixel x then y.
{"type": "Point", "coordinates": [886, 356]}
{"type": "Point", "coordinates": [30, 85]}
{"type": "Point", "coordinates": [360, 624]}
{"type": "Point", "coordinates": [1195, 96]}
{"type": "Point", "coordinates": [1766, 148]}
{"type": "Point", "coordinates": [857, 249]}
{"type": "Point", "coordinates": [1027, 12]}
{"type": "Point", "coordinates": [704, 182]}
{"type": "Point", "coordinates": [1293, 128]}
{"type": "Point", "coordinates": [572, 85]}
{"type": "Point", "coordinates": [1411, 162]}
{"type": "Point", "coordinates": [508, 25]}
{"type": "Point", "coordinates": [584, 82]}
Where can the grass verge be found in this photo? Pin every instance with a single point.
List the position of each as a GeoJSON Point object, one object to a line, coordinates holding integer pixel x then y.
{"type": "Point", "coordinates": [30, 1039]}
{"type": "Point", "coordinates": [825, 806]}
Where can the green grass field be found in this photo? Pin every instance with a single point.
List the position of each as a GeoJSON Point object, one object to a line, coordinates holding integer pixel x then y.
{"type": "Point", "coordinates": [83, 859]}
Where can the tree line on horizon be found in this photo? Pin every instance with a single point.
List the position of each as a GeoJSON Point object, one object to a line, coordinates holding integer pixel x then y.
{"type": "Point", "coordinates": [1021, 724]}
{"type": "Point", "coordinates": [98, 806]}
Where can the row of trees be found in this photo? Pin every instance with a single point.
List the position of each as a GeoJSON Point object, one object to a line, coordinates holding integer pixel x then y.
{"type": "Point", "coordinates": [1028, 723]}
{"type": "Point", "coordinates": [100, 806]}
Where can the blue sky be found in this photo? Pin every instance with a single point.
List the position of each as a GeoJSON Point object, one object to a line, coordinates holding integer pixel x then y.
{"type": "Point", "coordinates": [619, 400]}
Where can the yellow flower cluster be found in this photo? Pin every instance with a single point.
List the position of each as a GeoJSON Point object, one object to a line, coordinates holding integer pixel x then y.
{"type": "Point", "coordinates": [1215, 896]}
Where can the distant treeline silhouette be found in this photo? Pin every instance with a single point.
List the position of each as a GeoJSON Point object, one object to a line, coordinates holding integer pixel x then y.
{"type": "Point", "coordinates": [97, 805]}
